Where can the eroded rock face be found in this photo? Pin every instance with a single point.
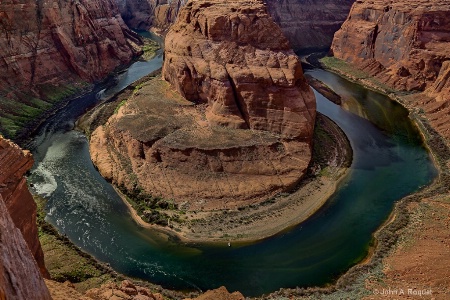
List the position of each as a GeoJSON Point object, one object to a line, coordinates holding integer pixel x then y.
{"type": "Point", "coordinates": [402, 43]}
{"type": "Point", "coordinates": [220, 294]}
{"type": "Point", "coordinates": [309, 24]}
{"type": "Point", "coordinates": [19, 274]}
{"type": "Point", "coordinates": [233, 57]}
{"type": "Point", "coordinates": [245, 133]}
{"type": "Point", "coordinates": [51, 42]}
{"type": "Point", "coordinates": [14, 163]}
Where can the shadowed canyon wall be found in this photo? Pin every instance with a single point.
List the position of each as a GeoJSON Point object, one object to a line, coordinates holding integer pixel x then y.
{"type": "Point", "coordinates": [405, 45]}
{"type": "Point", "coordinates": [20, 277]}
{"type": "Point", "coordinates": [48, 45]}
{"type": "Point", "coordinates": [306, 23]}
{"type": "Point", "coordinates": [245, 133]}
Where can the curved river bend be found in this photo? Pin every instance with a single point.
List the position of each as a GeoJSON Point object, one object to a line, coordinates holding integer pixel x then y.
{"type": "Point", "coordinates": [389, 163]}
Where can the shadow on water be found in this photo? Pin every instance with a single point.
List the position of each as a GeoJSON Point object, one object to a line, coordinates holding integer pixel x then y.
{"type": "Point", "coordinates": [389, 163]}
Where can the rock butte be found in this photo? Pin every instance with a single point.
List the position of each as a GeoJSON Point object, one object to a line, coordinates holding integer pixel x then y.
{"type": "Point", "coordinates": [404, 44]}
{"type": "Point", "coordinates": [248, 135]}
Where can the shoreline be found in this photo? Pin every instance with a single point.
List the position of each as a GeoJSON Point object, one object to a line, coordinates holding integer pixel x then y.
{"type": "Point", "coordinates": [303, 210]}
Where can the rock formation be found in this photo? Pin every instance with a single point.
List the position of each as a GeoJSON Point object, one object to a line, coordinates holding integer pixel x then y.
{"type": "Point", "coordinates": [248, 135]}
{"type": "Point", "coordinates": [309, 24]}
{"type": "Point", "coordinates": [220, 294]}
{"type": "Point", "coordinates": [48, 44]}
{"type": "Point", "coordinates": [20, 277]}
{"type": "Point", "coordinates": [14, 163]}
{"type": "Point", "coordinates": [404, 44]}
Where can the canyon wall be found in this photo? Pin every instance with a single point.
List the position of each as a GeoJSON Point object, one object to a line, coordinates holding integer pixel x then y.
{"type": "Point", "coordinates": [242, 131]}
{"type": "Point", "coordinates": [14, 163]}
{"type": "Point", "coordinates": [308, 24]}
{"type": "Point", "coordinates": [20, 276]}
{"type": "Point", "coordinates": [405, 45]}
{"type": "Point", "coordinates": [50, 48]}
{"type": "Point", "coordinates": [146, 14]}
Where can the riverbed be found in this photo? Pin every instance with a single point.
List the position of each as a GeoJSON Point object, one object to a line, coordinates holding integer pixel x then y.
{"type": "Point", "coordinates": [389, 162]}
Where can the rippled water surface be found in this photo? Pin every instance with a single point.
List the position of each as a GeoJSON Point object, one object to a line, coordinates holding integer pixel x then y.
{"type": "Point", "coordinates": [389, 163]}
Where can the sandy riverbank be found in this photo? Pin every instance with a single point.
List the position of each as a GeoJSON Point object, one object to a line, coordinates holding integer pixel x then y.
{"type": "Point", "coordinates": [266, 220]}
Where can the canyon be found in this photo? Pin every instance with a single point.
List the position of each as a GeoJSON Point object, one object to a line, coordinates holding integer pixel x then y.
{"type": "Point", "coordinates": [225, 121]}
{"type": "Point", "coordinates": [54, 49]}
{"type": "Point", "coordinates": [244, 114]}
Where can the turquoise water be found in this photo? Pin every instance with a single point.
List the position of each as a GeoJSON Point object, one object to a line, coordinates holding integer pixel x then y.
{"type": "Point", "coordinates": [389, 163]}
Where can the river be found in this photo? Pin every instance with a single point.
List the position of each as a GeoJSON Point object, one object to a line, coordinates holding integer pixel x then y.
{"type": "Point", "coordinates": [389, 163]}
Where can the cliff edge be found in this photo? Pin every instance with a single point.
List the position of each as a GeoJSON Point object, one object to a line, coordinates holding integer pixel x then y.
{"type": "Point", "coordinates": [20, 248]}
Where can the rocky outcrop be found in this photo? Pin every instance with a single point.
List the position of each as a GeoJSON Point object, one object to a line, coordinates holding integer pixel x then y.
{"type": "Point", "coordinates": [403, 43]}
{"type": "Point", "coordinates": [245, 133]}
{"type": "Point", "coordinates": [49, 48]}
{"type": "Point", "coordinates": [220, 294]}
{"type": "Point", "coordinates": [19, 274]}
{"type": "Point", "coordinates": [14, 163]}
{"type": "Point", "coordinates": [309, 24]}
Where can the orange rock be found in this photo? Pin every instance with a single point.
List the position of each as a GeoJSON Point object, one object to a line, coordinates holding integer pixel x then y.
{"type": "Point", "coordinates": [14, 163]}
{"type": "Point", "coordinates": [403, 43]}
{"type": "Point", "coordinates": [19, 274]}
{"type": "Point", "coordinates": [220, 294]}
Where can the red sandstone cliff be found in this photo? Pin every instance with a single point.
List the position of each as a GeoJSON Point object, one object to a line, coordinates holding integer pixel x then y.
{"type": "Point", "coordinates": [248, 135]}
{"type": "Point", "coordinates": [404, 44]}
{"type": "Point", "coordinates": [19, 274]}
{"type": "Point", "coordinates": [47, 46]}
{"type": "Point", "coordinates": [14, 163]}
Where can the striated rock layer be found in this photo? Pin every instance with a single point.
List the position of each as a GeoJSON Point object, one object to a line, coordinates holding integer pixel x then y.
{"type": "Point", "coordinates": [404, 44]}
{"type": "Point", "coordinates": [20, 277]}
{"type": "Point", "coordinates": [43, 41]}
{"type": "Point", "coordinates": [14, 163]}
{"type": "Point", "coordinates": [49, 48]}
{"type": "Point", "coordinates": [245, 133]}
